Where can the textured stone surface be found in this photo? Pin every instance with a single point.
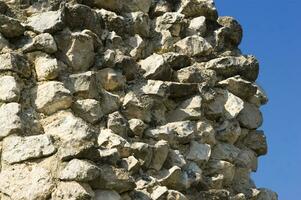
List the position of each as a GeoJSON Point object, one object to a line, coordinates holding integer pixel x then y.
{"type": "Point", "coordinates": [18, 149]}
{"type": "Point", "coordinates": [127, 100]}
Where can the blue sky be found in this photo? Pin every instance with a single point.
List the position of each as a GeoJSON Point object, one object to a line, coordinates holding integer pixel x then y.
{"type": "Point", "coordinates": [272, 32]}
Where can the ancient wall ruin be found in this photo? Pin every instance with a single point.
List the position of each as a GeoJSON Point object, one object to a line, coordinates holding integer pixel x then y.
{"type": "Point", "coordinates": [127, 100]}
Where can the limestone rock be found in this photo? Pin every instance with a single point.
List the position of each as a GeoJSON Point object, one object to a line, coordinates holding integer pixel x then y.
{"type": "Point", "coordinates": [181, 132]}
{"type": "Point", "coordinates": [137, 126]}
{"type": "Point", "coordinates": [229, 131]}
{"type": "Point", "coordinates": [160, 154]}
{"type": "Point", "coordinates": [10, 121]}
{"type": "Point", "coordinates": [250, 117]}
{"type": "Point", "coordinates": [143, 152]}
{"type": "Point", "coordinates": [197, 26]}
{"type": "Point", "coordinates": [155, 87]}
{"type": "Point", "coordinates": [117, 123]}
{"type": "Point", "coordinates": [79, 170]}
{"type": "Point", "coordinates": [42, 42]}
{"type": "Point", "coordinates": [197, 8]}
{"type": "Point", "coordinates": [14, 62]}
{"type": "Point", "coordinates": [140, 24]}
{"type": "Point", "coordinates": [266, 194]}
{"type": "Point", "coordinates": [108, 139]}
{"type": "Point", "coordinates": [222, 167]}
{"type": "Point", "coordinates": [131, 164]}
{"type": "Point", "coordinates": [17, 149]}
{"type": "Point", "coordinates": [175, 179]}
{"type": "Point", "coordinates": [88, 109]}
{"type": "Point", "coordinates": [47, 68]}
{"type": "Point", "coordinates": [198, 152]}
{"type": "Point", "coordinates": [111, 79]}
{"type": "Point", "coordinates": [194, 46]}
{"type": "Point", "coordinates": [82, 84]}
{"type": "Point", "coordinates": [14, 182]}
{"type": "Point", "coordinates": [159, 192]}
{"type": "Point", "coordinates": [46, 22]}
{"type": "Point", "coordinates": [171, 21]}
{"type": "Point", "coordinates": [179, 90]}
{"type": "Point", "coordinates": [10, 27]}
{"type": "Point", "coordinates": [156, 68]}
{"type": "Point", "coordinates": [175, 158]}
{"type": "Point", "coordinates": [113, 178]}
{"type": "Point", "coordinates": [173, 194]}
{"type": "Point", "coordinates": [9, 89]}
{"type": "Point", "coordinates": [72, 191]}
{"type": "Point", "coordinates": [74, 134]}
{"type": "Point", "coordinates": [245, 66]}
{"type": "Point", "coordinates": [107, 194]}
{"type": "Point", "coordinates": [256, 141]}
{"type": "Point", "coordinates": [239, 87]}
{"type": "Point", "coordinates": [124, 6]}
{"type": "Point", "coordinates": [225, 151]}
{"type": "Point", "coordinates": [205, 132]}
{"type": "Point", "coordinates": [77, 49]}
{"type": "Point", "coordinates": [51, 97]}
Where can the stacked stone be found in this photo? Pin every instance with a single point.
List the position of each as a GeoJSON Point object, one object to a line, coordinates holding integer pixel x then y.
{"type": "Point", "coordinates": [127, 99]}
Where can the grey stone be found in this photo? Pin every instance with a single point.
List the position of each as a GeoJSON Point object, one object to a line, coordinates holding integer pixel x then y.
{"type": "Point", "coordinates": [250, 117]}
{"type": "Point", "coordinates": [72, 191]}
{"type": "Point", "coordinates": [194, 46]}
{"type": "Point", "coordinates": [124, 6]}
{"type": "Point", "coordinates": [107, 195]}
{"type": "Point", "coordinates": [245, 66]}
{"type": "Point", "coordinates": [225, 151]}
{"type": "Point", "coordinates": [79, 170]}
{"type": "Point", "coordinates": [88, 109]}
{"type": "Point", "coordinates": [197, 26]}
{"type": "Point", "coordinates": [156, 68]}
{"type": "Point", "coordinates": [171, 21]}
{"type": "Point", "coordinates": [16, 63]}
{"type": "Point", "coordinates": [10, 121]}
{"type": "Point", "coordinates": [175, 158]}
{"type": "Point", "coordinates": [159, 192]}
{"type": "Point", "coordinates": [175, 179]}
{"type": "Point", "coordinates": [18, 149]}
{"type": "Point", "coordinates": [10, 27]}
{"type": "Point", "coordinates": [205, 132]}
{"type": "Point", "coordinates": [14, 182]}
{"type": "Point", "coordinates": [256, 141]}
{"type": "Point", "coordinates": [111, 79]}
{"type": "Point", "coordinates": [75, 136]}
{"type": "Point", "coordinates": [228, 131]}
{"type": "Point", "coordinates": [51, 97]}
{"type": "Point", "coordinates": [49, 22]}
{"type": "Point", "coordinates": [113, 178]}
{"type": "Point", "coordinates": [137, 126]}
{"type": "Point", "coordinates": [266, 194]}
{"type": "Point", "coordinates": [197, 8]}
{"type": "Point", "coordinates": [42, 42]}
{"type": "Point", "coordinates": [199, 152]}
{"type": "Point", "coordinates": [47, 68]}
{"type": "Point", "coordinates": [160, 154]}
{"type": "Point", "coordinates": [9, 89]}
{"type": "Point", "coordinates": [143, 152]}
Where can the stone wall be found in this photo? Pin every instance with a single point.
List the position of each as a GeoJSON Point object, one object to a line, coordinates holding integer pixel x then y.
{"type": "Point", "coordinates": [127, 99]}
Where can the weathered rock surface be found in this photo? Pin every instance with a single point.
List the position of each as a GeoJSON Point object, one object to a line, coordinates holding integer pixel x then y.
{"type": "Point", "coordinates": [127, 100]}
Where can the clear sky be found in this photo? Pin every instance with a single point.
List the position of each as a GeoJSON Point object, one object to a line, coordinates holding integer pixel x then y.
{"type": "Point", "coordinates": [272, 32]}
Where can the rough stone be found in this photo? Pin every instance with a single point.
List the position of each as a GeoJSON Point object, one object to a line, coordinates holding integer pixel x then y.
{"type": "Point", "coordinates": [160, 154]}
{"type": "Point", "coordinates": [74, 134]}
{"type": "Point", "coordinates": [42, 42]}
{"type": "Point", "coordinates": [46, 22]}
{"type": "Point", "coordinates": [88, 109]}
{"type": "Point", "coordinates": [10, 27]}
{"type": "Point", "coordinates": [111, 79]}
{"type": "Point", "coordinates": [194, 46]}
{"type": "Point", "coordinates": [17, 149]}
{"type": "Point", "coordinates": [156, 68]}
{"type": "Point", "coordinates": [106, 194]}
{"type": "Point", "coordinates": [9, 89]}
{"type": "Point", "coordinates": [112, 178]}
{"type": "Point", "coordinates": [79, 170]}
{"type": "Point", "coordinates": [137, 126]}
{"type": "Point", "coordinates": [256, 141]}
{"type": "Point", "coordinates": [197, 8]}
{"type": "Point", "coordinates": [197, 26]}
{"type": "Point", "coordinates": [250, 117]}
{"type": "Point", "coordinates": [10, 121]}
{"type": "Point", "coordinates": [47, 68]}
{"type": "Point", "coordinates": [14, 182]}
{"type": "Point", "coordinates": [174, 178]}
{"type": "Point", "coordinates": [51, 97]}
{"type": "Point", "coordinates": [124, 6]}
{"type": "Point", "coordinates": [72, 191]}
{"type": "Point", "coordinates": [171, 21]}
{"type": "Point", "coordinates": [14, 62]}
{"type": "Point", "coordinates": [245, 66]}
{"type": "Point", "coordinates": [198, 152]}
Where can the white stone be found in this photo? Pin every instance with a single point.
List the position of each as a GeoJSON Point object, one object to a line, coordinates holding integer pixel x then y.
{"type": "Point", "coordinates": [198, 152]}
{"type": "Point", "coordinates": [10, 121]}
{"type": "Point", "coordinates": [79, 170]}
{"type": "Point", "coordinates": [47, 68]}
{"type": "Point", "coordinates": [51, 97]}
{"type": "Point", "coordinates": [21, 182]}
{"type": "Point", "coordinates": [72, 191]}
{"type": "Point", "coordinates": [17, 149]}
{"type": "Point", "coordinates": [9, 89]}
